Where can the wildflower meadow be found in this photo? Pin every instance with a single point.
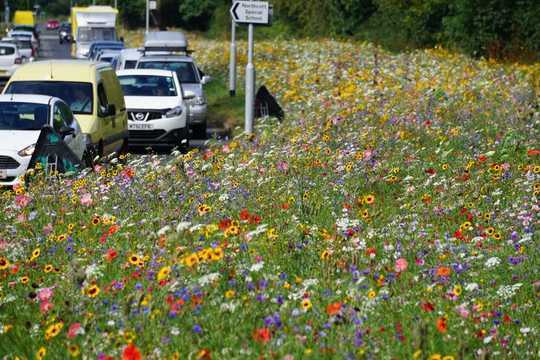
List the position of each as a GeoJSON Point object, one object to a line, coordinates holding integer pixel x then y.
{"type": "Point", "coordinates": [393, 214]}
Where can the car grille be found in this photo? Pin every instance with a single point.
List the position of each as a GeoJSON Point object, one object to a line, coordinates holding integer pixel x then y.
{"type": "Point", "coordinates": [145, 134]}
{"type": "Point", "coordinates": [147, 115]}
{"type": "Point", "coordinates": [7, 162]}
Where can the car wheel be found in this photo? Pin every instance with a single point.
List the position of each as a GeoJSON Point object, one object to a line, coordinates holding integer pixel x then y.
{"type": "Point", "coordinates": [89, 155]}
{"type": "Point", "coordinates": [199, 130]}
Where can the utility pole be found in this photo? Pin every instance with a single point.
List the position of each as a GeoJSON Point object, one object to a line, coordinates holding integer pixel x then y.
{"type": "Point", "coordinates": [6, 12]}
{"type": "Point", "coordinates": [232, 60]}
{"type": "Point", "coordinates": [147, 16]}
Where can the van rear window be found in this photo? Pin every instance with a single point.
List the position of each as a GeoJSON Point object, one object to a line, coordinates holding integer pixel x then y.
{"type": "Point", "coordinates": [6, 50]}
{"type": "Point", "coordinates": [77, 95]}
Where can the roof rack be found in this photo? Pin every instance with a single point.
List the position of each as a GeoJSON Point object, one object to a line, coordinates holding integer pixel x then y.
{"type": "Point", "coordinates": [166, 41]}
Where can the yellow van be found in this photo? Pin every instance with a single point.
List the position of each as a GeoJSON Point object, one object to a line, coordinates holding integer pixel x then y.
{"type": "Point", "coordinates": [24, 18]}
{"type": "Point", "coordinates": [90, 89]}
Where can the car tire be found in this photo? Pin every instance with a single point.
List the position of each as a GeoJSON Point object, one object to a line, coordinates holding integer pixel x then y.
{"type": "Point", "coordinates": [199, 130]}
{"type": "Point", "coordinates": [89, 155]}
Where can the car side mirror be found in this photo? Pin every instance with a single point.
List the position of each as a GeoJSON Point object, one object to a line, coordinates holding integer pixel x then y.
{"type": "Point", "coordinates": [66, 131]}
{"type": "Point", "coordinates": [189, 95]}
{"type": "Point", "coordinates": [206, 79]}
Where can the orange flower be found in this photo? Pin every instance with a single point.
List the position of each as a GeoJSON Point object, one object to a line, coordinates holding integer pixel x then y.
{"type": "Point", "coordinates": [333, 309]}
{"type": "Point", "coordinates": [441, 325]}
{"type": "Point", "coordinates": [533, 152]}
{"type": "Point", "coordinates": [131, 353]}
{"type": "Point", "coordinates": [262, 335]}
{"type": "Point", "coordinates": [443, 271]}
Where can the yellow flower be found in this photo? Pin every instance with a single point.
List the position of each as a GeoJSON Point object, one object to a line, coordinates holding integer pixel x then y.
{"type": "Point", "coordinates": [271, 234]}
{"type": "Point", "coordinates": [306, 304]}
{"type": "Point", "coordinates": [164, 273]}
{"type": "Point", "coordinates": [229, 294]}
{"type": "Point", "coordinates": [40, 354]}
{"type": "Point", "coordinates": [4, 263]}
{"type": "Point", "coordinates": [74, 350]}
{"type": "Point", "coordinates": [417, 354]}
{"type": "Point", "coordinates": [192, 260]}
{"type": "Point", "coordinates": [48, 268]}
{"type": "Point", "coordinates": [53, 330]}
{"type": "Point", "coordinates": [134, 259]}
{"type": "Point", "coordinates": [448, 357]}
{"type": "Point", "coordinates": [369, 199]}
{"type": "Point", "coordinates": [325, 255]}
{"type": "Point", "coordinates": [435, 357]}
{"type": "Point", "coordinates": [216, 254]}
{"type": "Point", "coordinates": [35, 254]}
{"type": "Point", "coordinates": [92, 291]}
{"type": "Point", "coordinates": [203, 209]}
{"type": "Point", "coordinates": [25, 279]}
{"type": "Point", "coordinates": [371, 294]}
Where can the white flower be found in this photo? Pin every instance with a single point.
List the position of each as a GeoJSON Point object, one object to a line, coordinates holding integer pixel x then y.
{"type": "Point", "coordinates": [257, 267]}
{"type": "Point", "coordinates": [487, 339]}
{"type": "Point", "coordinates": [175, 331]}
{"type": "Point", "coordinates": [492, 262]}
{"type": "Point", "coordinates": [164, 230]}
{"type": "Point", "coordinates": [210, 278]}
{"type": "Point", "coordinates": [471, 287]}
{"type": "Point", "coordinates": [184, 225]}
{"type": "Point", "coordinates": [525, 330]}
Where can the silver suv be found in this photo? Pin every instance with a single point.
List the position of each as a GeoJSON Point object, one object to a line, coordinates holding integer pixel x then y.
{"type": "Point", "coordinates": [168, 50]}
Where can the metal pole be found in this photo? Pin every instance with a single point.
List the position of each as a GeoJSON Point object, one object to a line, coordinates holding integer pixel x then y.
{"type": "Point", "coordinates": [116, 4]}
{"type": "Point", "coordinates": [250, 84]}
{"type": "Point", "coordinates": [147, 16]}
{"type": "Point", "coordinates": [232, 62]}
{"type": "Point", "coordinates": [6, 12]}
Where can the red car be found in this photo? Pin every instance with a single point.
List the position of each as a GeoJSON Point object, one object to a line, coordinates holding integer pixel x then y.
{"type": "Point", "coordinates": [53, 24]}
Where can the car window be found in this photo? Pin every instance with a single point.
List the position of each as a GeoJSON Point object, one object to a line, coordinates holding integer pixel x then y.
{"type": "Point", "coordinates": [187, 73]}
{"type": "Point", "coordinates": [67, 115]}
{"type": "Point", "coordinates": [130, 64]}
{"type": "Point", "coordinates": [23, 116]}
{"type": "Point", "coordinates": [6, 50]}
{"type": "Point", "coordinates": [147, 85]}
{"type": "Point", "coordinates": [102, 98]}
{"type": "Point", "coordinates": [77, 95]}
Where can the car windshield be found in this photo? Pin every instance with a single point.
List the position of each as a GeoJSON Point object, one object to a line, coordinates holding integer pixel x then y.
{"type": "Point", "coordinates": [96, 34]}
{"type": "Point", "coordinates": [185, 70]}
{"type": "Point", "coordinates": [147, 85]}
{"type": "Point", "coordinates": [23, 116]}
{"type": "Point", "coordinates": [77, 95]}
{"type": "Point", "coordinates": [130, 64]}
{"type": "Point", "coordinates": [24, 44]}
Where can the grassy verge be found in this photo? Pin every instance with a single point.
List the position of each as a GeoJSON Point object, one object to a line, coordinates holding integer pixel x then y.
{"type": "Point", "coordinates": [224, 110]}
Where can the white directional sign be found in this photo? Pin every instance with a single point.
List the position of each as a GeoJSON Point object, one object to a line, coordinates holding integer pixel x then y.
{"type": "Point", "coordinates": [152, 5]}
{"type": "Point", "coordinates": [251, 12]}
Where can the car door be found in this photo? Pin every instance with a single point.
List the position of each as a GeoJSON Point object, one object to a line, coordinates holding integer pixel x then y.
{"type": "Point", "coordinates": [63, 117]}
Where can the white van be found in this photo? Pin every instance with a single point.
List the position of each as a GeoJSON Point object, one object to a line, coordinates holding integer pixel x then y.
{"type": "Point", "coordinates": [128, 58]}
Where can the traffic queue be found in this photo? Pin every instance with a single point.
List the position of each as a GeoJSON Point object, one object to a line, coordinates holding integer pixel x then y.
{"type": "Point", "coordinates": [149, 96]}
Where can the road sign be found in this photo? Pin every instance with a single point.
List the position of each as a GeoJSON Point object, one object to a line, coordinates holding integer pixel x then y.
{"type": "Point", "coordinates": [251, 12]}
{"type": "Point", "coordinates": [152, 5]}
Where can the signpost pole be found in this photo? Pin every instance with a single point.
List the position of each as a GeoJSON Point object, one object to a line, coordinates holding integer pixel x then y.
{"type": "Point", "coordinates": [250, 84]}
{"type": "Point", "coordinates": [232, 61]}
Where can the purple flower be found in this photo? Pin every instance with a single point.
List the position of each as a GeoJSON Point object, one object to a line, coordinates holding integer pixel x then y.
{"type": "Point", "coordinates": [197, 329]}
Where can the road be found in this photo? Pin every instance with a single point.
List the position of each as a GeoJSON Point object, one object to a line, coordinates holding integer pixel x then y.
{"type": "Point", "coordinates": [52, 49]}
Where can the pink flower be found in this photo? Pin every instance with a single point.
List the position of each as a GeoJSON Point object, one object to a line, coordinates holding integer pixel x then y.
{"type": "Point", "coordinates": [22, 200]}
{"type": "Point", "coordinates": [45, 294]}
{"type": "Point", "coordinates": [86, 199]}
{"type": "Point", "coordinates": [401, 265]}
{"type": "Point", "coordinates": [45, 306]}
{"type": "Point", "coordinates": [283, 166]}
{"type": "Point", "coordinates": [74, 330]}
{"type": "Point", "coordinates": [462, 310]}
{"type": "Point", "coordinates": [47, 229]}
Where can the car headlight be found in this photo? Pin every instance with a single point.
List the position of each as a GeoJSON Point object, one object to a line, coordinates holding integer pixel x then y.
{"type": "Point", "coordinates": [177, 111]}
{"type": "Point", "coordinates": [27, 151]}
{"type": "Point", "coordinates": [199, 100]}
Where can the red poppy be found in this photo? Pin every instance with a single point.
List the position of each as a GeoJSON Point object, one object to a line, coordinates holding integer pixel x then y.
{"type": "Point", "coordinates": [111, 254]}
{"type": "Point", "coordinates": [224, 224]}
{"type": "Point", "coordinates": [371, 251]}
{"type": "Point", "coordinates": [244, 214]}
{"type": "Point", "coordinates": [482, 158]}
{"type": "Point", "coordinates": [533, 152]}
{"type": "Point", "coordinates": [284, 206]}
{"type": "Point", "coordinates": [430, 171]}
{"type": "Point", "coordinates": [442, 327]}
{"type": "Point", "coordinates": [254, 219]}
{"type": "Point", "coordinates": [262, 335]}
{"type": "Point", "coordinates": [427, 307]}
{"type": "Point", "coordinates": [333, 309]}
{"type": "Point", "coordinates": [131, 353]}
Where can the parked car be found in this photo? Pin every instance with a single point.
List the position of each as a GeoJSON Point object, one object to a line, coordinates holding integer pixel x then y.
{"type": "Point", "coordinates": [24, 46]}
{"type": "Point", "coordinates": [168, 50]}
{"type": "Point", "coordinates": [108, 56]}
{"type": "Point", "coordinates": [28, 28]}
{"type": "Point", "coordinates": [90, 89]}
{"type": "Point", "coordinates": [157, 111]}
{"type": "Point", "coordinates": [21, 119]}
{"type": "Point", "coordinates": [98, 46]}
{"type": "Point", "coordinates": [128, 59]}
{"type": "Point", "coordinates": [10, 60]}
{"type": "Point", "coordinates": [64, 33]}
{"type": "Point", "coordinates": [26, 36]}
{"type": "Point", "coordinates": [53, 24]}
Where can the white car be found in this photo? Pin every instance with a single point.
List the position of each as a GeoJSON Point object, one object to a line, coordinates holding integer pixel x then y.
{"type": "Point", "coordinates": [10, 60]}
{"type": "Point", "coordinates": [128, 59]}
{"type": "Point", "coordinates": [157, 109]}
{"type": "Point", "coordinates": [24, 46]}
{"type": "Point", "coordinates": [21, 119]}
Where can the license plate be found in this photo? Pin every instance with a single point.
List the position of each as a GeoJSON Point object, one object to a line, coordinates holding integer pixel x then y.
{"type": "Point", "coordinates": [140, 126]}
{"type": "Point", "coordinates": [3, 174]}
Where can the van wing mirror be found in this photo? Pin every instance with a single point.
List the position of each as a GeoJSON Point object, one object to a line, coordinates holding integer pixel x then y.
{"type": "Point", "coordinates": [206, 79]}
{"type": "Point", "coordinates": [66, 131]}
{"type": "Point", "coordinates": [111, 109]}
{"type": "Point", "coordinates": [189, 95]}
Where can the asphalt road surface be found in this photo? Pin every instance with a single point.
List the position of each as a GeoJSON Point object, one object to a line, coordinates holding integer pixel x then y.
{"type": "Point", "coordinates": [50, 48]}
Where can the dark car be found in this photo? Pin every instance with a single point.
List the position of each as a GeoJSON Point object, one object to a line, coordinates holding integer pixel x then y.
{"type": "Point", "coordinates": [98, 46]}
{"type": "Point", "coordinates": [64, 33]}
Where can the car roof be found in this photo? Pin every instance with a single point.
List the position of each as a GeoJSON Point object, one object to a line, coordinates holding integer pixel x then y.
{"type": "Point", "coordinates": [6, 43]}
{"type": "Point", "coordinates": [165, 57]}
{"type": "Point", "coordinates": [34, 99]}
{"type": "Point", "coordinates": [151, 72]}
{"type": "Point", "coordinates": [59, 70]}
